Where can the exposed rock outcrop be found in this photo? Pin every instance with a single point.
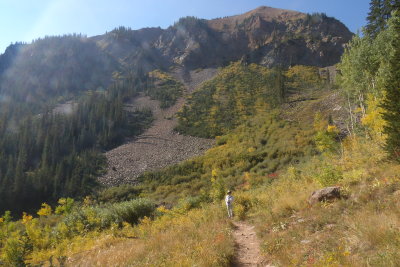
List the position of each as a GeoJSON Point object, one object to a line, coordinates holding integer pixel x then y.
{"type": "Point", "coordinates": [267, 36]}
{"type": "Point", "coordinates": [325, 194]}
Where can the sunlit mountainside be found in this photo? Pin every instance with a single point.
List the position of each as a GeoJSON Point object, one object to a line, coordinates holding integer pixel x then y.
{"type": "Point", "coordinates": [119, 149]}
{"type": "Point", "coordinates": [59, 66]}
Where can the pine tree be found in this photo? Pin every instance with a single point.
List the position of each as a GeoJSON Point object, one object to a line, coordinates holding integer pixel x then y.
{"type": "Point", "coordinates": [391, 103]}
{"type": "Point", "coordinates": [375, 21]}
{"type": "Point", "coordinates": [380, 12]}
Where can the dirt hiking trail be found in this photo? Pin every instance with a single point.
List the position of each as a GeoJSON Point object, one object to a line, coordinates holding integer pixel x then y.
{"type": "Point", "coordinates": [247, 248]}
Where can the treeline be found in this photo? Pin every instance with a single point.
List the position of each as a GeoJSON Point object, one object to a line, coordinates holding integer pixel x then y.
{"type": "Point", "coordinates": [370, 78]}
{"type": "Point", "coordinates": [51, 155]}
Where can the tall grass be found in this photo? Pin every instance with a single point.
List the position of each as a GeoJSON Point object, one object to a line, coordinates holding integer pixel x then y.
{"type": "Point", "coordinates": [200, 237]}
{"type": "Point", "coordinates": [361, 229]}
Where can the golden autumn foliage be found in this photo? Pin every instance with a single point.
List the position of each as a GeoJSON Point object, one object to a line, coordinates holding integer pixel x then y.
{"type": "Point", "coordinates": [46, 210]}
{"type": "Point", "coordinates": [26, 218]}
{"type": "Point", "coordinates": [373, 119]}
{"type": "Point", "coordinates": [237, 93]}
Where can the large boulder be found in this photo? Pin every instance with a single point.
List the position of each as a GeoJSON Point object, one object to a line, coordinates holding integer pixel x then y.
{"type": "Point", "coordinates": [325, 194]}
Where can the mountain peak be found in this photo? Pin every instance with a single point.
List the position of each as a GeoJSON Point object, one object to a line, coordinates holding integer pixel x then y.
{"type": "Point", "coordinates": [272, 12]}
{"type": "Point", "coordinates": [266, 13]}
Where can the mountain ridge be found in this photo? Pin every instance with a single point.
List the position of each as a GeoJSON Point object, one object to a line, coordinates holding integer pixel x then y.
{"type": "Point", "coordinates": [266, 36]}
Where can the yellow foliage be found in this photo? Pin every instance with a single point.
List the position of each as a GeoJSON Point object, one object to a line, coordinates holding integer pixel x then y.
{"type": "Point", "coordinates": [246, 179]}
{"type": "Point", "coordinates": [40, 236]}
{"type": "Point", "coordinates": [93, 218]}
{"type": "Point", "coordinates": [251, 149]}
{"type": "Point", "coordinates": [239, 211]}
{"type": "Point", "coordinates": [200, 237]}
{"type": "Point", "coordinates": [26, 218]}
{"type": "Point", "coordinates": [162, 209]}
{"type": "Point", "coordinates": [145, 221]}
{"type": "Point", "coordinates": [45, 210]}
{"type": "Point", "coordinates": [159, 75]}
{"type": "Point", "coordinates": [373, 119]}
{"type": "Point", "coordinates": [332, 129]}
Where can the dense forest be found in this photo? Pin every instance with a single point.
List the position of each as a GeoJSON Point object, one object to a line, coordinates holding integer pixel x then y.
{"type": "Point", "coordinates": [52, 154]}
{"type": "Point", "coordinates": [54, 67]}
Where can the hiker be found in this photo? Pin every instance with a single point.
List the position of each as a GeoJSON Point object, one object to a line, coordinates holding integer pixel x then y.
{"type": "Point", "coordinates": [229, 202]}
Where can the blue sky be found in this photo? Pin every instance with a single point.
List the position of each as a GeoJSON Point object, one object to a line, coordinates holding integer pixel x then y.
{"type": "Point", "coordinates": [25, 20]}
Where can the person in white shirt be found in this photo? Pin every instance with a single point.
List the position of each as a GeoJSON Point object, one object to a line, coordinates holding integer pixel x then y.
{"type": "Point", "coordinates": [229, 203]}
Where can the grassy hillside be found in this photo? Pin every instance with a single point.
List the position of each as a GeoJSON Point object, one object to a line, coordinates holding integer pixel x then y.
{"type": "Point", "coordinates": [261, 146]}
{"type": "Point", "coordinates": [360, 229]}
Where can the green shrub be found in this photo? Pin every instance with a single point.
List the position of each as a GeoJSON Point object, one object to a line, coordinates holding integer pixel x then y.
{"type": "Point", "coordinates": [14, 251]}
{"type": "Point", "coordinates": [132, 211]}
{"type": "Point", "coordinates": [241, 205]}
{"type": "Point", "coordinates": [329, 175]}
{"type": "Point", "coordinates": [118, 193]}
{"type": "Point", "coordinates": [222, 140]}
{"type": "Point", "coordinates": [103, 216]}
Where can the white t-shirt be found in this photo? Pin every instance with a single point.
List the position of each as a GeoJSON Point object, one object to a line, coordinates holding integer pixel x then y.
{"type": "Point", "coordinates": [228, 200]}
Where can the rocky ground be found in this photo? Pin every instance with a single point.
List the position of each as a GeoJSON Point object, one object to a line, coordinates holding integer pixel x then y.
{"type": "Point", "coordinates": [159, 146]}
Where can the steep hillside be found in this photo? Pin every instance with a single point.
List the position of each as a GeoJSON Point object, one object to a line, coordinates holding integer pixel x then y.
{"type": "Point", "coordinates": [239, 92]}
{"type": "Point", "coordinates": [54, 67]}
{"type": "Point", "coordinates": [159, 146]}
{"type": "Point", "coordinates": [64, 66]}
{"type": "Point", "coordinates": [266, 36]}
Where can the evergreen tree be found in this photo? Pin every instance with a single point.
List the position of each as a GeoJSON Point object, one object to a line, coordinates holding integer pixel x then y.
{"type": "Point", "coordinates": [391, 103]}
{"type": "Point", "coordinates": [374, 18]}
{"type": "Point", "coordinates": [379, 13]}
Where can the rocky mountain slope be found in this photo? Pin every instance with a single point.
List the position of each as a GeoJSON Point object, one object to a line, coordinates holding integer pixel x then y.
{"type": "Point", "coordinates": [160, 145]}
{"type": "Point", "coordinates": [268, 36]}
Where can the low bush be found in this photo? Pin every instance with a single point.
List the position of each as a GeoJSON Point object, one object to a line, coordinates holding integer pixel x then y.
{"type": "Point", "coordinates": [103, 216]}
{"type": "Point", "coordinates": [118, 194]}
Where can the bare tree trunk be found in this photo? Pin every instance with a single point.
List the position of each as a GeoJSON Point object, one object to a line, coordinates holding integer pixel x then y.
{"type": "Point", "coordinates": [351, 116]}
{"type": "Point", "coordinates": [362, 106]}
